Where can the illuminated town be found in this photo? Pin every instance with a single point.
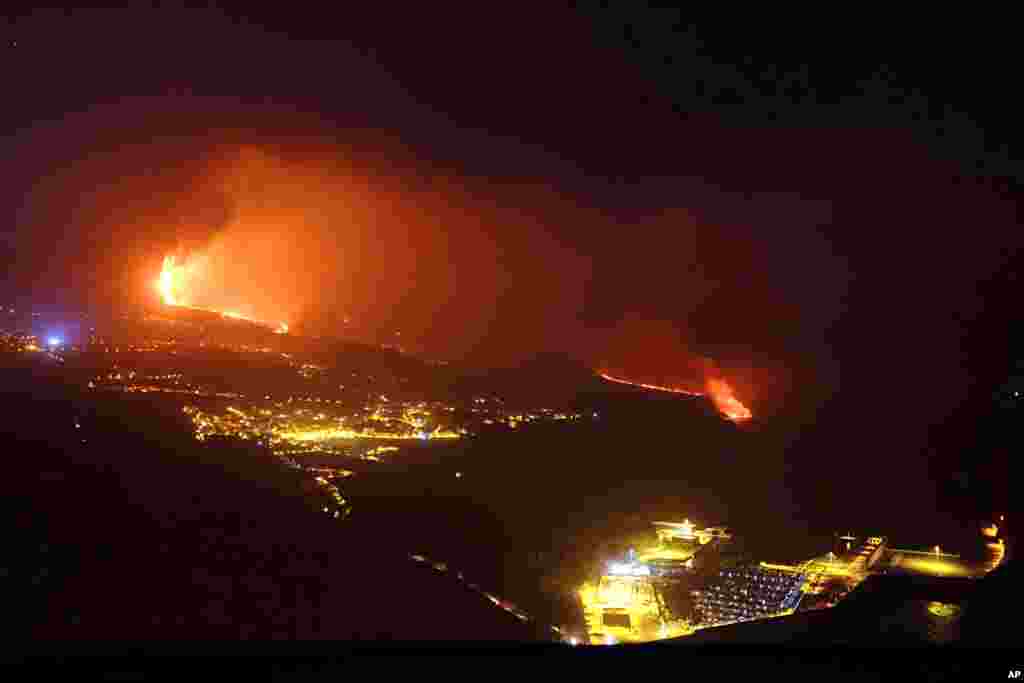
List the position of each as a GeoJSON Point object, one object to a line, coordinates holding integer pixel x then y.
{"type": "Point", "coordinates": [295, 430]}
{"type": "Point", "coordinates": [308, 423]}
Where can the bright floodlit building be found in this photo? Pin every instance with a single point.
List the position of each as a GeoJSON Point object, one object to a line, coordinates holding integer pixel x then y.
{"type": "Point", "coordinates": [623, 607]}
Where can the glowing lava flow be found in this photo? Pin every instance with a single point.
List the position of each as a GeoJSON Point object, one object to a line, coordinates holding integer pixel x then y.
{"type": "Point", "coordinates": [654, 387]}
{"type": "Point", "coordinates": [719, 391]}
{"type": "Point", "coordinates": [172, 281]}
{"type": "Point", "coordinates": [726, 401]}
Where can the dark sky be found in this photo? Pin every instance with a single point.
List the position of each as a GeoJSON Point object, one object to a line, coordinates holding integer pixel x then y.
{"type": "Point", "coordinates": [833, 202]}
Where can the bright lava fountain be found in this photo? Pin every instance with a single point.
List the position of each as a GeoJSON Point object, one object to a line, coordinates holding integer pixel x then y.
{"type": "Point", "coordinates": [172, 285]}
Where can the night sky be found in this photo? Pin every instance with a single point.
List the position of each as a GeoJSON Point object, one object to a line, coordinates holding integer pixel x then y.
{"type": "Point", "coordinates": [828, 208]}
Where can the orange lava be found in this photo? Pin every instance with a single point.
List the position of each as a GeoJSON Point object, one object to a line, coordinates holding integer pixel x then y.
{"type": "Point", "coordinates": [719, 391]}
{"type": "Point", "coordinates": [173, 283]}
{"type": "Point", "coordinates": [726, 402]}
{"type": "Point", "coordinates": [653, 387]}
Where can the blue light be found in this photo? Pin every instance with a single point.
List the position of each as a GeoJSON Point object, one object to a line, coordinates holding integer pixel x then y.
{"type": "Point", "coordinates": [54, 341]}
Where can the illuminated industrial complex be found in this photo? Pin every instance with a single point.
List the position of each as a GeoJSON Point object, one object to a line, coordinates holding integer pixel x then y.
{"type": "Point", "coordinates": [637, 599]}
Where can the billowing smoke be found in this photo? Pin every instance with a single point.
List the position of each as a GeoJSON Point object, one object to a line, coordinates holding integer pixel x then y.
{"type": "Point", "coordinates": [335, 245]}
{"type": "Point", "coordinates": [373, 242]}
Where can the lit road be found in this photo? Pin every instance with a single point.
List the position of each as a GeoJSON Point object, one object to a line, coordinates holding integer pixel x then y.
{"type": "Point", "coordinates": [941, 564]}
{"type": "Point", "coordinates": [932, 565]}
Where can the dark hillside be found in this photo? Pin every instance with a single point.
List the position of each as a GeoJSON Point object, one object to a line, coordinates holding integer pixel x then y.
{"type": "Point", "coordinates": [121, 530]}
